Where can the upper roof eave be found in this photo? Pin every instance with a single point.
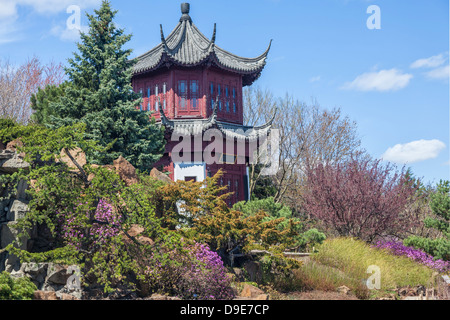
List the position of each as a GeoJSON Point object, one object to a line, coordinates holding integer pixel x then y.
{"type": "Point", "coordinates": [187, 46]}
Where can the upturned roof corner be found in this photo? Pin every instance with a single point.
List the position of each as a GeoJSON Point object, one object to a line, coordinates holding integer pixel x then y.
{"type": "Point", "coordinates": [187, 46]}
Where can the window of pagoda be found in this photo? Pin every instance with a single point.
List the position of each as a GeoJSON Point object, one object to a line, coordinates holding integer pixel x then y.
{"type": "Point", "coordinates": [225, 88]}
{"type": "Point", "coordinates": [154, 92]}
{"type": "Point", "coordinates": [188, 98]}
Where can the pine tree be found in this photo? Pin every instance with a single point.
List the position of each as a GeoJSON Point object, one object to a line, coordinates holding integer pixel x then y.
{"type": "Point", "coordinates": [440, 205]}
{"type": "Point", "coordinates": [101, 96]}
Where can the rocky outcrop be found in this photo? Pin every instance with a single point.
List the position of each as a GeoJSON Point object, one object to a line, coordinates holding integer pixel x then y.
{"type": "Point", "coordinates": [126, 171]}
{"type": "Point", "coordinates": [11, 161]}
{"type": "Point", "coordinates": [13, 203]}
{"type": "Point", "coordinates": [158, 175]}
{"type": "Point", "coordinates": [250, 292]}
{"type": "Point", "coordinates": [52, 295]}
{"type": "Point", "coordinates": [54, 281]}
{"type": "Point", "coordinates": [161, 297]}
{"type": "Point", "coordinates": [77, 154]}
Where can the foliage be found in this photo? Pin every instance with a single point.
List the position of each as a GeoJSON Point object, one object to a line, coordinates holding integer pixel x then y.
{"type": "Point", "coordinates": [263, 186]}
{"type": "Point", "coordinates": [101, 96]}
{"type": "Point", "coordinates": [359, 198]}
{"type": "Point", "coordinates": [205, 278]}
{"type": "Point", "coordinates": [41, 102]}
{"type": "Point", "coordinates": [88, 209]}
{"type": "Point", "coordinates": [6, 125]}
{"type": "Point", "coordinates": [418, 209]}
{"type": "Point", "coordinates": [277, 271]}
{"type": "Point", "coordinates": [200, 210]}
{"type": "Point", "coordinates": [296, 236]}
{"type": "Point", "coordinates": [273, 209]}
{"type": "Point", "coordinates": [110, 230]}
{"type": "Point", "coordinates": [353, 258]}
{"type": "Point", "coordinates": [307, 133]}
{"type": "Point", "coordinates": [315, 276]}
{"type": "Point", "coordinates": [16, 288]}
{"type": "Point", "coordinates": [440, 205]}
{"type": "Point", "coordinates": [399, 249]}
{"type": "Point", "coordinates": [107, 225]}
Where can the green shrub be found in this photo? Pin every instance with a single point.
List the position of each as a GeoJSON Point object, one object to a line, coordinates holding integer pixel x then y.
{"type": "Point", "coordinates": [440, 205]}
{"type": "Point", "coordinates": [5, 130]}
{"type": "Point", "coordinates": [277, 270]}
{"type": "Point", "coordinates": [296, 236]}
{"type": "Point", "coordinates": [16, 289]}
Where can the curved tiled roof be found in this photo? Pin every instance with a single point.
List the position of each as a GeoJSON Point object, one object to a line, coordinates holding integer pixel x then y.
{"type": "Point", "coordinates": [191, 127]}
{"type": "Point", "coordinates": [187, 46]}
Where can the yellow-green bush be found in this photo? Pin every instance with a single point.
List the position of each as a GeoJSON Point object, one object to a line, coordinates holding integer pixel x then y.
{"type": "Point", "coordinates": [353, 258]}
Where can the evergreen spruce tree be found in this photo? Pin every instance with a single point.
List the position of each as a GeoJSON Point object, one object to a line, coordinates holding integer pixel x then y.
{"type": "Point", "coordinates": [101, 96]}
{"type": "Point", "coordinates": [41, 102]}
{"type": "Point", "coordinates": [440, 205]}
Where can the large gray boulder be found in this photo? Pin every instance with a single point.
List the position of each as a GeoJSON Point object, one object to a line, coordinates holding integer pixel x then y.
{"type": "Point", "coordinates": [11, 162]}
{"type": "Point", "coordinates": [8, 235]}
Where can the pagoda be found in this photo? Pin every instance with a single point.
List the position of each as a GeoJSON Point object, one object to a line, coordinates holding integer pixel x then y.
{"type": "Point", "coordinates": [193, 88]}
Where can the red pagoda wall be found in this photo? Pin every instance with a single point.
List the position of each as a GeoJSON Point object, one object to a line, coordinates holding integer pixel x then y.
{"type": "Point", "coordinates": [167, 86]}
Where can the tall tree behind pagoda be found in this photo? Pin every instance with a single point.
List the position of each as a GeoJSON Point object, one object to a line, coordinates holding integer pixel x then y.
{"type": "Point", "coordinates": [101, 96]}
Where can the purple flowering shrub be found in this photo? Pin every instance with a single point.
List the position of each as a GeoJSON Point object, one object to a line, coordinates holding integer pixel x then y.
{"type": "Point", "coordinates": [73, 225]}
{"type": "Point", "coordinates": [193, 273]}
{"type": "Point", "coordinates": [205, 278]}
{"type": "Point", "coordinates": [399, 249]}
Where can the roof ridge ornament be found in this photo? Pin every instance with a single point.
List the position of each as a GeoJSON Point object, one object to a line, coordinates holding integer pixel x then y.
{"type": "Point", "coordinates": [269, 123]}
{"type": "Point", "coordinates": [213, 39]}
{"type": "Point", "coordinates": [164, 120]}
{"type": "Point", "coordinates": [185, 8]}
{"type": "Point", "coordinates": [212, 42]}
{"type": "Point", "coordinates": [214, 113]}
{"type": "Point", "coordinates": [163, 39]}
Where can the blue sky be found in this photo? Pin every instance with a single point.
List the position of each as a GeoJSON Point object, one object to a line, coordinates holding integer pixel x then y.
{"type": "Point", "coordinates": [393, 81]}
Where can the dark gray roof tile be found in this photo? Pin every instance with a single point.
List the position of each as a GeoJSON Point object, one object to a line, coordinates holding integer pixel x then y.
{"type": "Point", "coordinates": [187, 46]}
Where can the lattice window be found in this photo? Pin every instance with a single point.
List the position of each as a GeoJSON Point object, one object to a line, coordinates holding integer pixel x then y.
{"type": "Point", "coordinates": [164, 97]}
{"type": "Point", "coordinates": [141, 92]}
{"type": "Point", "coordinates": [194, 94]}
{"type": "Point", "coordinates": [156, 98]}
{"type": "Point", "coordinates": [149, 95]}
{"type": "Point", "coordinates": [182, 94]}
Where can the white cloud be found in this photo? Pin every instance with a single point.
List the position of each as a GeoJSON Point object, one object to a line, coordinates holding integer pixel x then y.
{"type": "Point", "coordinates": [431, 62]}
{"type": "Point", "coordinates": [414, 151]}
{"type": "Point", "coordinates": [66, 34]}
{"type": "Point", "coordinates": [10, 26]}
{"type": "Point", "coordinates": [439, 73]}
{"type": "Point", "coordinates": [383, 80]}
{"type": "Point", "coordinates": [315, 79]}
{"type": "Point", "coordinates": [9, 30]}
{"type": "Point", "coordinates": [9, 7]}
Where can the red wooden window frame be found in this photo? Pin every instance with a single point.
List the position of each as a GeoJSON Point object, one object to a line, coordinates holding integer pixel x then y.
{"type": "Point", "coordinates": [188, 96]}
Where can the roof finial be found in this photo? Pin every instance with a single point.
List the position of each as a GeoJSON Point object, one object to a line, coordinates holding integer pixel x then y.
{"type": "Point", "coordinates": [213, 39]}
{"type": "Point", "coordinates": [185, 8]}
{"type": "Point", "coordinates": [163, 39]}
